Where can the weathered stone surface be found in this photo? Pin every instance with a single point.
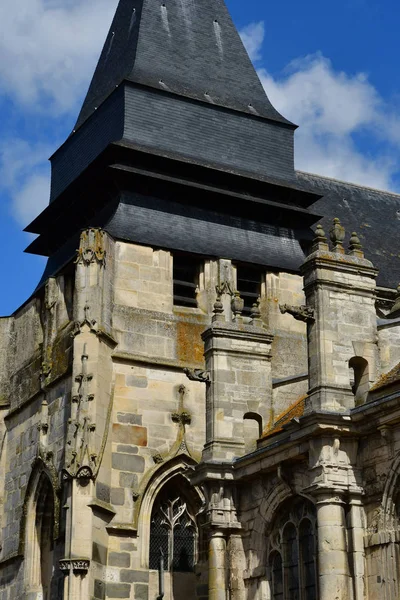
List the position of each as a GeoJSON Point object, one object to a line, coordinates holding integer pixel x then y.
{"type": "Point", "coordinates": [119, 559]}
{"type": "Point", "coordinates": [118, 590]}
{"type": "Point", "coordinates": [130, 434]}
{"type": "Point", "coordinates": [117, 496]}
{"type": "Point", "coordinates": [131, 576]}
{"type": "Point", "coordinates": [127, 462]}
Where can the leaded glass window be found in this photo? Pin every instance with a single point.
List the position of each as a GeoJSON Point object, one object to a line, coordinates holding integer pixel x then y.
{"type": "Point", "coordinates": [292, 553]}
{"type": "Point", "coordinates": [172, 531]}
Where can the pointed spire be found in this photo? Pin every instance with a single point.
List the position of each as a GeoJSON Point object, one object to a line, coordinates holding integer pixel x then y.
{"type": "Point", "coordinates": [188, 48]}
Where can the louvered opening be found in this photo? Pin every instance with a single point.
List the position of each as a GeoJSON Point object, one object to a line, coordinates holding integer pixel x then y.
{"type": "Point", "coordinates": [248, 283]}
{"type": "Point", "coordinates": [186, 272]}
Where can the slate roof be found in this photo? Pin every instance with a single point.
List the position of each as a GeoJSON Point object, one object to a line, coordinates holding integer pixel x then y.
{"type": "Point", "coordinates": [373, 214]}
{"type": "Point", "coordinates": [189, 48]}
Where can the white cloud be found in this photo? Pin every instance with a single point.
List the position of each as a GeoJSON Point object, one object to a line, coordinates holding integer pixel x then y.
{"type": "Point", "coordinates": [48, 49]}
{"type": "Point", "coordinates": [25, 176]}
{"type": "Point", "coordinates": [253, 37]}
{"type": "Point", "coordinates": [332, 108]}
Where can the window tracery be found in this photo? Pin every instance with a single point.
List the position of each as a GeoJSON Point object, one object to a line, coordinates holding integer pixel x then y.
{"type": "Point", "coordinates": [172, 532]}
{"type": "Point", "coordinates": [292, 553]}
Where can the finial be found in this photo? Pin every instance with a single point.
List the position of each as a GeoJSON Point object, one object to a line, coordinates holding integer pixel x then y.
{"type": "Point", "coordinates": [255, 314]}
{"type": "Point", "coordinates": [355, 247]}
{"type": "Point", "coordinates": [320, 241]}
{"type": "Point", "coordinates": [319, 234]}
{"type": "Point", "coordinates": [237, 304]}
{"type": "Point", "coordinates": [395, 310]}
{"type": "Point", "coordinates": [218, 309]}
{"type": "Point", "coordinates": [337, 234]}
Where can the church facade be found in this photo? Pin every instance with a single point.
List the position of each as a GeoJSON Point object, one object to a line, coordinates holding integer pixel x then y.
{"type": "Point", "coordinates": [201, 399]}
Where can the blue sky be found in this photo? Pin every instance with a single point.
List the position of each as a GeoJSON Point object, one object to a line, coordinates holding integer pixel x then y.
{"type": "Point", "coordinates": [331, 67]}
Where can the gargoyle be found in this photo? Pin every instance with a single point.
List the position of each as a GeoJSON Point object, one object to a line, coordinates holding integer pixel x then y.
{"type": "Point", "coordinates": [197, 375]}
{"type": "Point", "coordinates": [300, 313]}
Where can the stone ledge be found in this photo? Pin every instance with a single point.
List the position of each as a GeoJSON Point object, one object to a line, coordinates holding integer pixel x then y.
{"type": "Point", "coordinates": [122, 529]}
{"type": "Point", "coordinates": [102, 506]}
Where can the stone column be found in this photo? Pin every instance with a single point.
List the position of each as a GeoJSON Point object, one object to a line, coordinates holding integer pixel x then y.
{"type": "Point", "coordinates": [357, 546]}
{"type": "Point", "coordinates": [237, 565]}
{"type": "Point", "coordinates": [217, 567]}
{"type": "Point", "coordinates": [334, 576]}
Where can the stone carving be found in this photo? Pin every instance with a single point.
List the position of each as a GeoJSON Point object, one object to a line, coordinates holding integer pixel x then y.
{"type": "Point", "coordinates": [300, 313]}
{"type": "Point", "coordinates": [255, 314]}
{"type": "Point", "coordinates": [221, 504]}
{"type": "Point", "coordinates": [91, 323]}
{"type": "Point", "coordinates": [91, 248]}
{"type": "Point", "coordinates": [158, 459]}
{"type": "Point", "coordinates": [320, 242]}
{"type": "Point", "coordinates": [337, 234]}
{"type": "Point", "coordinates": [183, 418]}
{"type": "Point", "coordinates": [237, 304]}
{"type": "Point", "coordinates": [224, 288]}
{"type": "Point", "coordinates": [197, 375]}
{"type": "Point", "coordinates": [218, 309]}
{"type": "Point", "coordinates": [80, 458]}
{"type": "Point", "coordinates": [355, 247]}
{"type": "Point", "coordinates": [76, 564]}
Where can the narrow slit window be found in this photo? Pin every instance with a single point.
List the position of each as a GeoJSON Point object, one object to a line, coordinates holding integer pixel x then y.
{"type": "Point", "coordinates": [248, 283]}
{"type": "Point", "coordinates": [186, 271]}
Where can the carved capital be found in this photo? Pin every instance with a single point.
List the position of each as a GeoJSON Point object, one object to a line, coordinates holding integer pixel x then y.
{"type": "Point", "coordinates": [77, 565]}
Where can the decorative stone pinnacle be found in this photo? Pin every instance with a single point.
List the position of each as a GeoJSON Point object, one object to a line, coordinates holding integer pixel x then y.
{"type": "Point", "coordinates": [218, 309]}
{"type": "Point", "coordinates": [355, 247]}
{"type": "Point", "coordinates": [320, 234]}
{"type": "Point", "coordinates": [320, 241]}
{"type": "Point", "coordinates": [237, 304]}
{"type": "Point", "coordinates": [255, 314]}
{"type": "Point", "coordinates": [337, 234]}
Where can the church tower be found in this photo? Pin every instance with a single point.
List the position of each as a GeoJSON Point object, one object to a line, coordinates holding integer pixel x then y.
{"type": "Point", "coordinates": [158, 359]}
{"type": "Point", "coordinates": [171, 199]}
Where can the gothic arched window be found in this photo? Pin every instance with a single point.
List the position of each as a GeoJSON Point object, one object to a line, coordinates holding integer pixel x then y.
{"type": "Point", "coordinates": [292, 553]}
{"type": "Point", "coordinates": [172, 532]}
{"type": "Point", "coordinates": [39, 542]}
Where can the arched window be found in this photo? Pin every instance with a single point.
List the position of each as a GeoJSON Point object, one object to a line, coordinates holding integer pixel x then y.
{"type": "Point", "coordinates": [359, 379]}
{"type": "Point", "coordinates": [39, 541]}
{"type": "Point", "coordinates": [172, 531]}
{"type": "Point", "coordinates": [292, 553]}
